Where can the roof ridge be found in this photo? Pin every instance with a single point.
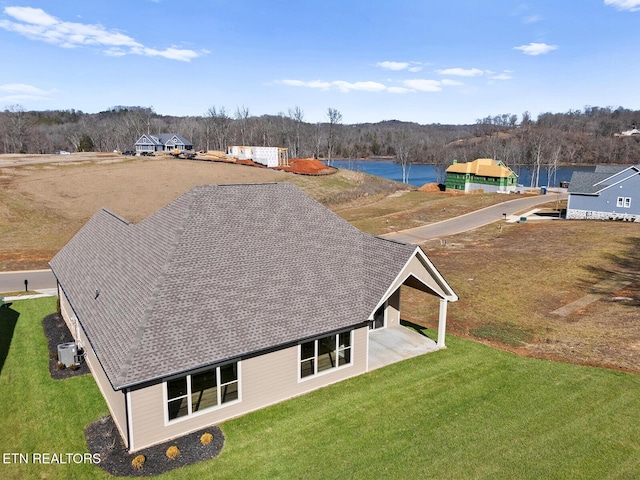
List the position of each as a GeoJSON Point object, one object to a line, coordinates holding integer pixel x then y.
{"type": "Point", "coordinates": [142, 324]}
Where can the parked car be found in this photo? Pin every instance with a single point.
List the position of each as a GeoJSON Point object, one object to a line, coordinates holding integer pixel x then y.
{"type": "Point", "coordinates": [129, 152]}
{"type": "Point", "coordinates": [147, 154]}
{"type": "Point", "coordinates": [63, 152]}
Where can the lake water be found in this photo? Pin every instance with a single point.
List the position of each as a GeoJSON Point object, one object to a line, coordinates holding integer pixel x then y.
{"type": "Point", "coordinates": [421, 174]}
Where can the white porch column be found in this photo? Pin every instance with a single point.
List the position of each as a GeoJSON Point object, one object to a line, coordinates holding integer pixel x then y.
{"type": "Point", "coordinates": [442, 323]}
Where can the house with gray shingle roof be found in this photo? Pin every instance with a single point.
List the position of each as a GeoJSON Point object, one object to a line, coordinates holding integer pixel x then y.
{"type": "Point", "coordinates": [608, 193]}
{"type": "Point", "coordinates": [162, 142]}
{"type": "Point", "coordinates": [214, 306]}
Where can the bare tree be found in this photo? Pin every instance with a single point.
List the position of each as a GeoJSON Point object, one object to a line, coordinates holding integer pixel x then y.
{"type": "Point", "coordinates": [242, 120]}
{"type": "Point", "coordinates": [297, 116]}
{"type": "Point", "coordinates": [16, 126]}
{"type": "Point", "coordinates": [402, 144]}
{"type": "Point", "coordinates": [335, 119]}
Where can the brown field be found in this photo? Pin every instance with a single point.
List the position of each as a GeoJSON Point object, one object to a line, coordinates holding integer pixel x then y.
{"type": "Point", "coordinates": [509, 280]}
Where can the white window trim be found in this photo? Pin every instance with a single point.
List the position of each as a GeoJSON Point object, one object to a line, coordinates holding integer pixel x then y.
{"type": "Point", "coordinates": [165, 394]}
{"type": "Point", "coordinates": [317, 374]}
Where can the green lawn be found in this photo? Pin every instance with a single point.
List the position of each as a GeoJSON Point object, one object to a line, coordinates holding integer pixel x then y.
{"type": "Point", "coordinates": [466, 412]}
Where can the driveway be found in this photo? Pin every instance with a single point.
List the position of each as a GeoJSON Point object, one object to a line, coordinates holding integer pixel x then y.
{"type": "Point", "coordinates": [472, 220]}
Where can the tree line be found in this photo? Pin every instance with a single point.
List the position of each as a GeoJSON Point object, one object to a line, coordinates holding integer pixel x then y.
{"type": "Point", "coordinates": [587, 136]}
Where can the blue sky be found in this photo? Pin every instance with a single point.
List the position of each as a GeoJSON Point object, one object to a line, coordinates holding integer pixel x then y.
{"type": "Point", "coordinates": [430, 61]}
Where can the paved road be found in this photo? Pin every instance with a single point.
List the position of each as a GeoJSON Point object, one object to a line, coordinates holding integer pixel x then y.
{"type": "Point", "coordinates": [38, 280]}
{"type": "Point", "coordinates": [472, 220]}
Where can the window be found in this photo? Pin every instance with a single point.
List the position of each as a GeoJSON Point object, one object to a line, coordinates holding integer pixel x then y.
{"type": "Point", "coordinates": [202, 391]}
{"type": "Point", "coordinates": [325, 353]}
{"type": "Point", "coordinates": [624, 202]}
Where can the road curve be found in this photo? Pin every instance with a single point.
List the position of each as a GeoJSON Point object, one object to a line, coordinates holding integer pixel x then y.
{"type": "Point", "coordinates": [472, 220]}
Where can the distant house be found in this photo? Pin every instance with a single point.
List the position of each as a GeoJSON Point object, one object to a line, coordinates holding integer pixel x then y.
{"type": "Point", "coordinates": [607, 193]}
{"type": "Point", "coordinates": [214, 306]}
{"type": "Point", "coordinates": [163, 142]}
{"type": "Point", "coordinates": [482, 174]}
{"type": "Point", "coordinates": [269, 156]}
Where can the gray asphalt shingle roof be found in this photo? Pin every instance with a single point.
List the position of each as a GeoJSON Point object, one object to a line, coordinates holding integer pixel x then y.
{"type": "Point", "coordinates": [222, 271]}
{"type": "Point", "coordinates": [590, 183]}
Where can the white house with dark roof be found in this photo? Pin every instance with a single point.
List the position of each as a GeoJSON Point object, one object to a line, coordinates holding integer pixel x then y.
{"type": "Point", "coordinates": [213, 306]}
{"type": "Point", "coordinates": [610, 192]}
{"type": "Point", "coordinates": [162, 142]}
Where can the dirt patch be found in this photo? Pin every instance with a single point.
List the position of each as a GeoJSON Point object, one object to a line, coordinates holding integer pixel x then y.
{"type": "Point", "coordinates": [307, 166]}
{"type": "Point", "coordinates": [510, 281]}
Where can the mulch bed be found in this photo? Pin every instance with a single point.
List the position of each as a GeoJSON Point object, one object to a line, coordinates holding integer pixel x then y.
{"type": "Point", "coordinates": [57, 332]}
{"type": "Point", "coordinates": [103, 436]}
{"type": "Point", "coordinates": [104, 439]}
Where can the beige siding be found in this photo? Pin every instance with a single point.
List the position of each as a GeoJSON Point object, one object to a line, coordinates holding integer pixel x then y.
{"type": "Point", "coordinates": [264, 380]}
{"type": "Point", "coordinates": [115, 399]}
{"type": "Point", "coordinates": [67, 315]}
{"type": "Point", "coordinates": [393, 309]}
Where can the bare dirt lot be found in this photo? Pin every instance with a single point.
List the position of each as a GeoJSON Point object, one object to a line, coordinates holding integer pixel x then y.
{"type": "Point", "coordinates": [510, 280]}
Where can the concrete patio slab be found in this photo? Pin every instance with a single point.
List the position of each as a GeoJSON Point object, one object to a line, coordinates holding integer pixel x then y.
{"type": "Point", "coordinates": [393, 344]}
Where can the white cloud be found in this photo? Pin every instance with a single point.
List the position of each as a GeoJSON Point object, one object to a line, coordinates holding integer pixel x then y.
{"type": "Point", "coordinates": [423, 85]}
{"type": "Point", "coordinates": [461, 72]}
{"type": "Point", "coordinates": [360, 86]}
{"type": "Point", "coordinates": [406, 86]}
{"type": "Point", "coordinates": [532, 18]}
{"type": "Point", "coordinates": [322, 85]}
{"type": "Point", "coordinates": [20, 92]}
{"type": "Point", "coordinates": [630, 5]}
{"type": "Point", "coordinates": [338, 84]}
{"type": "Point", "coordinates": [36, 24]}
{"type": "Point", "coordinates": [399, 90]}
{"type": "Point", "coordinates": [506, 75]}
{"type": "Point", "coordinates": [536, 48]}
{"type": "Point", "coordinates": [396, 66]}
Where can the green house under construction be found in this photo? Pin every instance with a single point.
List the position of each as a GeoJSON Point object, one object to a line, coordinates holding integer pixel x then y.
{"type": "Point", "coordinates": [482, 174]}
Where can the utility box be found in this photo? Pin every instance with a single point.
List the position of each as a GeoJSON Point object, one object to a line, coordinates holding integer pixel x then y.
{"type": "Point", "coordinates": [67, 353]}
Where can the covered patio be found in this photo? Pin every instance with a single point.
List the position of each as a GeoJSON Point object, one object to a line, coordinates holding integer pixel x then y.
{"type": "Point", "coordinates": [395, 343]}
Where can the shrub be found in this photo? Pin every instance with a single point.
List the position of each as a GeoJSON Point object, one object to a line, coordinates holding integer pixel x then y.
{"type": "Point", "coordinates": [138, 462]}
{"type": "Point", "coordinates": [74, 367]}
{"type": "Point", "coordinates": [206, 438]}
{"type": "Point", "coordinates": [172, 452]}
{"type": "Point", "coordinates": [60, 366]}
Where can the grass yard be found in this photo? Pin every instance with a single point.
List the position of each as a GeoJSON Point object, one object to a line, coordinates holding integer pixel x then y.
{"type": "Point", "coordinates": [469, 411]}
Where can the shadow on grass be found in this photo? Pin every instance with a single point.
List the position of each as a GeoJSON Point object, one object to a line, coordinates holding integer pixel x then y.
{"type": "Point", "coordinates": [419, 329]}
{"type": "Point", "coordinates": [8, 320]}
{"type": "Point", "coordinates": [624, 270]}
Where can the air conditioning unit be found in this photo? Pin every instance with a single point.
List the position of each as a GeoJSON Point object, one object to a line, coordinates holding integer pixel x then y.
{"type": "Point", "coordinates": [67, 353]}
